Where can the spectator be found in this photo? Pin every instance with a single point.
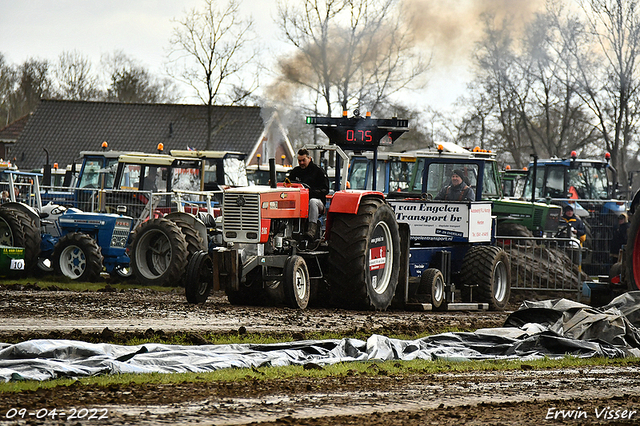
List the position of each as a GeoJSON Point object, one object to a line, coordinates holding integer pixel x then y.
{"type": "Point", "coordinates": [619, 236]}
{"type": "Point", "coordinates": [575, 222]}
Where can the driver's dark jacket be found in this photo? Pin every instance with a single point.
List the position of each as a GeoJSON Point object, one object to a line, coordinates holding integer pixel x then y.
{"type": "Point", "coordinates": [314, 177]}
{"type": "Point", "coordinates": [462, 192]}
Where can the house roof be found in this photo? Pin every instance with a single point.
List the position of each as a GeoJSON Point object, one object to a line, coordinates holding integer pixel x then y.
{"type": "Point", "coordinates": [65, 128]}
{"type": "Point", "coordinates": [10, 133]}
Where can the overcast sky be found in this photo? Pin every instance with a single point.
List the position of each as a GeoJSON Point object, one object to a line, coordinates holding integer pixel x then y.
{"type": "Point", "coordinates": [141, 29]}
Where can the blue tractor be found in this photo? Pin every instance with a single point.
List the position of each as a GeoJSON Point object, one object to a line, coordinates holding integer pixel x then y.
{"type": "Point", "coordinates": [68, 241]}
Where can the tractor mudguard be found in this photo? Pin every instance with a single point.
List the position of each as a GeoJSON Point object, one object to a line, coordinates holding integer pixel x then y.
{"type": "Point", "coordinates": [348, 201]}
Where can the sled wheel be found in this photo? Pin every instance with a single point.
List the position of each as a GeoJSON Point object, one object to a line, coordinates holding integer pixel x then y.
{"type": "Point", "coordinates": [488, 267]}
{"type": "Point", "coordinates": [199, 278]}
{"type": "Point", "coordinates": [297, 286]}
{"type": "Point", "coordinates": [432, 282]}
{"type": "Point", "coordinates": [158, 253]}
{"type": "Point", "coordinates": [632, 254]}
{"type": "Point", "coordinates": [17, 229]}
{"type": "Point", "coordinates": [78, 256]}
{"type": "Point", "coordinates": [364, 256]}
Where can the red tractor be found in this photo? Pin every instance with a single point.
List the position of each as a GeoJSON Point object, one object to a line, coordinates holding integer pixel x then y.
{"type": "Point", "coordinates": [265, 258]}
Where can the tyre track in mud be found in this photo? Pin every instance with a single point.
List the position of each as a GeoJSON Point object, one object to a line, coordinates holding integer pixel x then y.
{"type": "Point", "coordinates": [376, 398]}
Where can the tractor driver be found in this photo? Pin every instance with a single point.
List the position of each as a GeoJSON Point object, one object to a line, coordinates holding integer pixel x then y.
{"type": "Point", "coordinates": [307, 172]}
{"type": "Point", "coordinates": [458, 190]}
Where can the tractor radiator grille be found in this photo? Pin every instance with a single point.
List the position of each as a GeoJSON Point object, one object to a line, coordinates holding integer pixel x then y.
{"type": "Point", "coordinates": [537, 218]}
{"type": "Point", "coordinates": [121, 232]}
{"type": "Point", "coordinates": [241, 217]}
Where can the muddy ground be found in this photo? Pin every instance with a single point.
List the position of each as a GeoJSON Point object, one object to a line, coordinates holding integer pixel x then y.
{"type": "Point", "coordinates": [527, 396]}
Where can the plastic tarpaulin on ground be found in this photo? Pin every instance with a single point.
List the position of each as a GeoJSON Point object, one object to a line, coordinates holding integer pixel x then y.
{"type": "Point", "coordinates": [552, 328]}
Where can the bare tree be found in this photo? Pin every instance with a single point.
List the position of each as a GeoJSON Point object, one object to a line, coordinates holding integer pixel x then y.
{"type": "Point", "coordinates": [474, 128]}
{"type": "Point", "coordinates": [349, 52]}
{"type": "Point", "coordinates": [34, 83]}
{"type": "Point", "coordinates": [503, 87]}
{"type": "Point", "coordinates": [74, 78]}
{"type": "Point", "coordinates": [130, 82]}
{"type": "Point", "coordinates": [606, 59]}
{"type": "Point", "coordinates": [525, 96]}
{"type": "Point", "coordinates": [210, 52]}
{"type": "Point", "coordinates": [8, 83]}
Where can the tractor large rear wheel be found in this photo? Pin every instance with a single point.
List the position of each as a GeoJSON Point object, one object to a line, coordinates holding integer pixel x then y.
{"type": "Point", "coordinates": [488, 267]}
{"type": "Point", "coordinates": [631, 269]}
{"type": "Point", "coordinates": [158, 253]}
{"type": "Point", "coordinates": [364, 256]}
{"type": "Point", "coordinates": [17, 229]}
{"type": "Point", "coordinates": [77, 256]}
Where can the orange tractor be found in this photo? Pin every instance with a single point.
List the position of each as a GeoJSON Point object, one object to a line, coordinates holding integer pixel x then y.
{"type": "Point", "coordinates": [265, 258]}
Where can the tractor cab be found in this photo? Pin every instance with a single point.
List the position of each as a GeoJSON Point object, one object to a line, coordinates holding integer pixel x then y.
{"type": "Point", "coordinates": [187, 173]}
{"type": "Point", "coordinates": [423, 174]}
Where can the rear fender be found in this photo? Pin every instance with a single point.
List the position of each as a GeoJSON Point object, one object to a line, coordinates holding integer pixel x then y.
{"type": "Point", "coordinates": [192, 220]}
{"type": "Point", "coordinates": [347, 201]}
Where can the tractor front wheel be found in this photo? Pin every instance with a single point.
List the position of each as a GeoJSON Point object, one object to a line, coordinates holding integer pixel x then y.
{"type": "Point", "coordinates": [78, 256]}
{"type": "Point", "coordinates": [199, 278]}
{"type": "Point", "coordinates": [432, 283]}
{"type": "Point", "coordinates": [297, 286]}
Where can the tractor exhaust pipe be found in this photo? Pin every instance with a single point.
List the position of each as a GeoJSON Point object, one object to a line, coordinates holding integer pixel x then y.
{"type": "Point", "coordinates": [272, 173]}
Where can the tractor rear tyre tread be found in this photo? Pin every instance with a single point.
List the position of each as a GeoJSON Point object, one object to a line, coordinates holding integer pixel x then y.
{"type": "Point", "coordinates": [631, 262]}
{"type": "Point", "coordinates": [351, 277]}
{"type": "Point", "coordinates": [194, 241]}
{"type": "Point", "coordinates": [488, 268]}
{"type": "Point", "coordinates": [21, 232]}
{"type": "Point", "coordinates": [158, 253]}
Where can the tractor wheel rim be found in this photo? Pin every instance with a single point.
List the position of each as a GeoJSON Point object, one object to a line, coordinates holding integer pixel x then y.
{"type": "Point", "coordinates": [301, 284]}
{"type": "Point", "coordinates": [160, 246]}
{"type": "Point", "coordinates": [500, 281]}
{"type": "Point", "coordinates": [380, 283]}
{"type": "Point", "coordinates": [72, 262]}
